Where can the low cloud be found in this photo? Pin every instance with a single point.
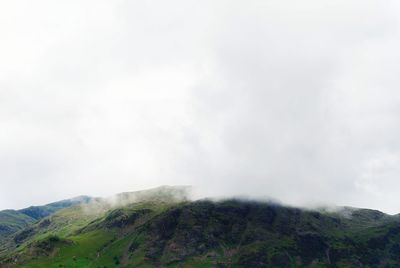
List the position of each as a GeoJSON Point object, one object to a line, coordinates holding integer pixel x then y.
{"type": "Point", "coordinates": [295, 101]}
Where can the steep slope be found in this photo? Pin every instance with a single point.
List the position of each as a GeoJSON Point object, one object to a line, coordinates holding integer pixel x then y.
{"type": "Point", "coordinates": [39, 212]}
{"type": "Point", "coordinates": [162, 228]}
{"type": "Point", "coordinates": [12, 221]}
{"type": "Point", "coordinates": [231, 233]}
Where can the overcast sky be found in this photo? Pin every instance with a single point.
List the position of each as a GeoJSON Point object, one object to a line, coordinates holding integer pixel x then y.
{"type": "Point", "coordinates": [293, 100]}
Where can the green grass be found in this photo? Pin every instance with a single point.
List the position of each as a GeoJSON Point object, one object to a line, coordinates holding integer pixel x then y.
{"type": "Point", "coordinates": [204, 234]}
{"type": "Point", "coordinates": [81, 252]}
{"type": "Point", "coordinates": [12, 221]}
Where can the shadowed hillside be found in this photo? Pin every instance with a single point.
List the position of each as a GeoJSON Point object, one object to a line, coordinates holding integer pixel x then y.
{"type": "Point", "coordinates": [12, 221]}
{"type": "Point", "coordinates": [163, 228]}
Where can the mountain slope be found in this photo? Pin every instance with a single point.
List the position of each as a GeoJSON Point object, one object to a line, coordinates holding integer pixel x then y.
{"type": "Point", "coordinates": [157, 231]}
{"type": "Point", "coordinates": [39, 212]}
{"type": "Point", "coordinates": [12, 221]}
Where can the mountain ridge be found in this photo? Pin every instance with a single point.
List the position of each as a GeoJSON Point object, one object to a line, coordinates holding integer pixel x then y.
{"type": "Point", "coordinates": [154, 230]}
{"type": "Point", "coordinates": [14, 220]}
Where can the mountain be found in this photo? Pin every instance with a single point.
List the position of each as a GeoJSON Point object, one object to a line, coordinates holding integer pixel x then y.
{"type": "Point", "coordinates": [39, 212]}
{"type": "Point", "coordinates": [12, 221]}
{"type": "Point", "coordinates": [162, 227]}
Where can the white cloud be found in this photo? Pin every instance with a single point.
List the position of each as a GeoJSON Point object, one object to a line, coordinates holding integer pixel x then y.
{"type": "Point", "coordinates": [291, 100]}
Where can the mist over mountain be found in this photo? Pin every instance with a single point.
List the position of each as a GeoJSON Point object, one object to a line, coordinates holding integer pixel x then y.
{"type": "Point", "coordinates": [281, 115]}
{"type": "Point", "coordinates": [162, 227]}
{"type": "Point", "coordinates": [295, 101]}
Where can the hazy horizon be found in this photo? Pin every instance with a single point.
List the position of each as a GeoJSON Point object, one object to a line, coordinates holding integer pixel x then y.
{"type": "Point", "coordinates": [294, 101]}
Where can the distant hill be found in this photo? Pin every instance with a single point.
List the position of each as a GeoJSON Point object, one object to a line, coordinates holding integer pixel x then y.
{"type": "Point", "coordinates": [12, 221]}
{"type": "Point", "coordinates": [163, 228]}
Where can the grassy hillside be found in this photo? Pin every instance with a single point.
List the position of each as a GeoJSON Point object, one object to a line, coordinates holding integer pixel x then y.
{"type": "Point", "coordinates": [155, 230]}
{"type": "Point", "coordinates": [39, 212]}
{"type": "Point", "coordinates": [13, 221]}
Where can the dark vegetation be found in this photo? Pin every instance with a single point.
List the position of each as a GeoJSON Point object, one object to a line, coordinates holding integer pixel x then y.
{"type": "Point", "coordinates": [171, 232]}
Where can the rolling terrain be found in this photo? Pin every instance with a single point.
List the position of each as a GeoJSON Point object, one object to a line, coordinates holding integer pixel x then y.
{"type": "Point", "coordinates": [163, 228]}
{"type": "Point", "coordinates": [12, 221]}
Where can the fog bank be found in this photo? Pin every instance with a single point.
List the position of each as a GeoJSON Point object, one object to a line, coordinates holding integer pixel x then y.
{"type": "Point", "coordinates": [295, 101]}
